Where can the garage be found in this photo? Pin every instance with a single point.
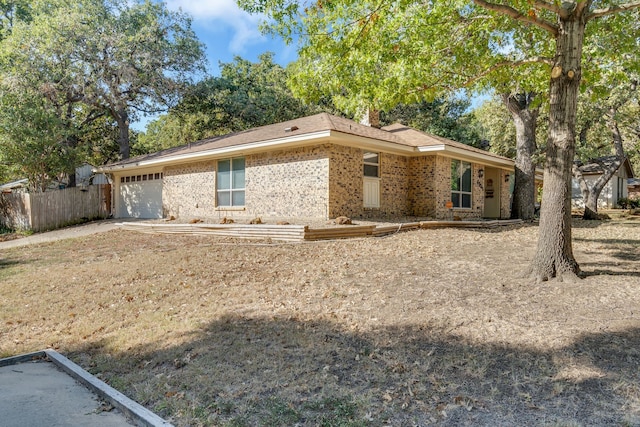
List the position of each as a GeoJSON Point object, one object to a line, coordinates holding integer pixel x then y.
{"type": "Point", "coordinates": [140, 196]}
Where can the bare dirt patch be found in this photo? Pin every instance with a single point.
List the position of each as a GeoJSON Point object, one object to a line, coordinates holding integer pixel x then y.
{"type": "Point", "coordinates": [419, 328]}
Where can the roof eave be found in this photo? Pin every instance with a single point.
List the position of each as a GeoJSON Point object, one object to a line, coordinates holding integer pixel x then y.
{"type": "Point", "coordinates": [468, 155]}
{"type": "Point", "coordinates": [333, 136]}
{"type": "Point", "coordinates": [370, 143]}
{"type": "Point", "coordinates": [222, 151]}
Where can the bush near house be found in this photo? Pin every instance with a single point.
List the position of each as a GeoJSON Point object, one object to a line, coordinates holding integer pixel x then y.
{"type": "Point", "coordinates": [626, 203]}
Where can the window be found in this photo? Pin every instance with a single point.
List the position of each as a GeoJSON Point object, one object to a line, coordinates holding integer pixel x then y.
{"type": "Point", "coordinates": [461, 184]}
{"type": "Point", "coordinates": [230, 182]}
{"type": "Point", "coordinates": [371, 164]}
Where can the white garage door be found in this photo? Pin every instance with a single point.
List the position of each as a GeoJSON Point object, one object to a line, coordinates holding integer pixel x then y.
{"type": "Point", "coordinates": [140, 196]}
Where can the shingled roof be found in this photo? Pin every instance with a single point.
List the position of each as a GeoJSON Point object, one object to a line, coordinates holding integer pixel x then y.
{"type": "Point", "coordinates": [417, 138]}
{"type": "Point", "coordinates": [305, 128]}
{"type": "Point", "coordinates": [597, 166]}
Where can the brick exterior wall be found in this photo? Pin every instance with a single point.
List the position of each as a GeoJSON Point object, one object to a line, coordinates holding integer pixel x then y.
{"type": "Point", "coordinates": [422, 186]}
{"type": "Point", "coordinates": [324, 181]}
{"type": "Point", "coordinates": [394, 187]}
{"type": "Point", "coordinates": [189, 190]}
{"type": "Point", "coordinates": [289, 183]}
{"type": "Point", "coordinates": [346, 182]}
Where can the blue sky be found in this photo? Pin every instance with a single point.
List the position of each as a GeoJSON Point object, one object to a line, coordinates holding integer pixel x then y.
{"type": "Point", "coordinates": [228, 31]}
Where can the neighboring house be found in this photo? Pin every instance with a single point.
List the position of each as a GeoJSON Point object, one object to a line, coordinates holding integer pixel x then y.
{"type": "Point", "coordinates": [14, 186]}
{"type": "Point", "coordinates": [84, 176]}
{"type": "Point", "coordinates": [320, 166]}
{"type": "Point", "coordinates": [633, 187]}
{"type": "Point", "coordinates": [615, 189]}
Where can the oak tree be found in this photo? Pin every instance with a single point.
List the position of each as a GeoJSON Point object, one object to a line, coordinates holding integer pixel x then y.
{"type": "Point", "coordinates": [126, 59]}
{"type": "Point", "coordinates": [380, 53]}
{"type": "Point", "coordinates": [246, 94]}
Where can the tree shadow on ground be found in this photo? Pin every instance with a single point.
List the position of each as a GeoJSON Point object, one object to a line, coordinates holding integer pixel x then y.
{"type": "Point", "coordinates": [607, 272]}
{"type": "Point", "coordinates": [274, 371]}
{"type": "Point", "coordinates": [582, 223]}
{"type": "Point", "coordinates": [4, 263]}
{"type": "Point", "coordinates": [631, 242]}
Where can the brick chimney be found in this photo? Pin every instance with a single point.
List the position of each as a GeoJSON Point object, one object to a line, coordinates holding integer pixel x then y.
{"type": "Point", "coordinates": [370, 117]}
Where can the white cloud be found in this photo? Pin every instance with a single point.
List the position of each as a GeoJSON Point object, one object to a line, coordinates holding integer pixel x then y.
{"type": "Point", "coordinates": [217, 13]}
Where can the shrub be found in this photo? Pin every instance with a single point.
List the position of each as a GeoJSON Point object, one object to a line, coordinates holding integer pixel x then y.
{"type": "Point", "coordinates": [626, 203]}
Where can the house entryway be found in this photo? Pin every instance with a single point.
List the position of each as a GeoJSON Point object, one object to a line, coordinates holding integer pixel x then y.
{"type": "Point", "coordinates": [492, 183]}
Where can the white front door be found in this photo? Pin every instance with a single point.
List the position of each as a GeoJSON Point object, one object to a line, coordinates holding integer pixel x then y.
{"type": "Point", "coordinates": [371, 192]}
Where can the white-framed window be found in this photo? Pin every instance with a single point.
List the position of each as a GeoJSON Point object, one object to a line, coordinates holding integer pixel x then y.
{"type": "Point", "coordinates": [461, 184]}
{"type": "Point", "coordinates": [230, 182]}
{"type": "Point", "coordinates": [371, 164]}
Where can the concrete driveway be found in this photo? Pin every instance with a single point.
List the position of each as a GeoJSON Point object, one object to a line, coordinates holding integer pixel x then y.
{"type": "Point", "coordinates": [86, 229]}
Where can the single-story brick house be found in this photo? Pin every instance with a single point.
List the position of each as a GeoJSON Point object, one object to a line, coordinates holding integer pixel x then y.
{"type": "Point", "coordinates": [613, 191]}
{"type": "Point", "coordinates": [320, 167]}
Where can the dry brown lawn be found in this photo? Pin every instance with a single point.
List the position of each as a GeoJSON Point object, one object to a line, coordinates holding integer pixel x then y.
{"type": "Point", "coordinates": [428, 327]}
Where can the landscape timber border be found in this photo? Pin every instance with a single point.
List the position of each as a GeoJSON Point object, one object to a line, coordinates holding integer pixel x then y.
{"type": "Point", "coordinates": [299, 233]}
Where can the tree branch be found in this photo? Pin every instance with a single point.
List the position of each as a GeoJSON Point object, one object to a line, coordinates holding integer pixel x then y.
{"type": "Point", "coordinates": [543, 5]}
{"type": "Point", "coordinates": [512, 64]}
{"type": "Point", "coordinates": [611, 10]}
{"type": "Point", "coordinates": [515, 14]}
{"type": "Point", "coordinates": [580, 8]}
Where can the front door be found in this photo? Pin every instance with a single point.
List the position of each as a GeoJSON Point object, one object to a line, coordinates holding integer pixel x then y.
{"type": "Point", "coordinates": [371, 192]}
{"type": "Point", "coordinates": [491, 192]}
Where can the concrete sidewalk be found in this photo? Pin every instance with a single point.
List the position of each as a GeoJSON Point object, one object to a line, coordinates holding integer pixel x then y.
{"type": "Point", "coordinates": [80, 230]}
{"type": "Point", "coordinates": [47, 389]}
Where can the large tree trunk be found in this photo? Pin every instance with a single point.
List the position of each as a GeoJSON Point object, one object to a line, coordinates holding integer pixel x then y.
{"type": "Point", "coordinates": [122, 119]}
{"type": "Point", "coordinates": [554, 253]}
{"type": "Point", "coordinates": [524, 118]}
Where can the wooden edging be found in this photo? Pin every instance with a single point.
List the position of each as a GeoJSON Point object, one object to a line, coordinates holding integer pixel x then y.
{"type": "Point", "coordinates": [135, 412]}
{"type": "Point", "coordinates": [296, 233]}
{"type": "Point", "coordinates": [338, 233]}
{"type": "Point", "coordinates": [241, 231]}
{"type": "Point", "coordinates": [470, 224]}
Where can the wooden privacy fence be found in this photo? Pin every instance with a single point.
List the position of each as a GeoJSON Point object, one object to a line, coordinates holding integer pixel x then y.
{"type": "Point", "coordinates": [54, 209]}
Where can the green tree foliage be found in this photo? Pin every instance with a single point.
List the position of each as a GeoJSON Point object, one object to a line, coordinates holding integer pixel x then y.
{"type": "Point", "coordinates": [377, 54]}
{"type": "Point", "coordinates": [448, 118]}
{"type": "Point", "coordinates": [103, 63]}
{"type": "Point", "coordinates": [595, 114]}
{"type": "Point", "coordinates": [496, 126]}
{"type": "Point", "coordinates": [245, 95]}
{"type": "Point", "coordinates": [32, 139]}
{"type": "Point", "coordinates": [12, 12]}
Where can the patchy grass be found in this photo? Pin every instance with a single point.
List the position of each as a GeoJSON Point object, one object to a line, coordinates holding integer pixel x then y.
{"type": "Point", "coordinates": [11, 234]}
{"type": "Point", "coordinates": [424, 327]}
